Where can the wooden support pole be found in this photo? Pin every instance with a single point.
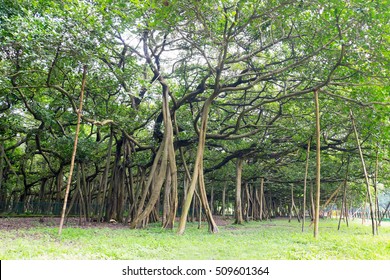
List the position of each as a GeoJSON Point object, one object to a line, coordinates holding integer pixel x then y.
{"type": "Point", "coordinates": [79, 113]}
{"type": "Point", "coordinates": [318, 164]}
{"type": "Point", "coordinates": [365, 174]}
{"type": "Point", "coordinates": [376, 191]}
{"type": "Point", "coordinates": [305, 184]}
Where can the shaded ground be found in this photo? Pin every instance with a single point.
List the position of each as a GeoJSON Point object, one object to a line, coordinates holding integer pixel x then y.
{"type": "Point", "coordinates": [26, 223]}
{"type": "Point", "coordinates": [31, 222]}
{"type": "Point", "coordinates": [12, 223]}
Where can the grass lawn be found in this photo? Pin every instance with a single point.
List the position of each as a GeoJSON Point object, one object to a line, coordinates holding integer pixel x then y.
{"type": "Point", "coordinates": [273, 240]}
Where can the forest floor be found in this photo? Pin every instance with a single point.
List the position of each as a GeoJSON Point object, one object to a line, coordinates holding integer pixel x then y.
{"type": "Point", "coordinates": [32, 222]}
{"type": "Point", "coordinates": [278, 239]}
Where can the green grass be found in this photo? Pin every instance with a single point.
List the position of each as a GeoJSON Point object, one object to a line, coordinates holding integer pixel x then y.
{"type": "Point", "coordinates": [276, 240]}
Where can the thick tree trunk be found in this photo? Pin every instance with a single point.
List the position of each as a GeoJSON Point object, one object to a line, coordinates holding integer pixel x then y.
{"type": "Point", "coordinates": [183, 198]}
{"type": "Point", "coordinates": [238, 206]}
{"type": "Point", "coordinates": [104, 182]}
{"type": "Point", "coordinates": [344, 208]}
{"type": "Point", "coordinates": [248, 202]}
{"type": "Point", "coordinates": [129, 181]}
{"type": "Point", "coordinates": [256, 204]}
{"type": "Point", "coordinates": [187, 177]}
{"type": "Point", "coordinates": [166, 202]}
{"type": "Point", "coordinates": [8, 201]}
{"type": "Point", "coordinates": [270, 210]}
{"type": "Point", "coordinates": [205, 204]}
{"type": "Point", "coordinates": [121, 192]}
{"type": "Point", "coordinates": [267, 211]}
{"type": "Point", "coordinates": [59, 183]}
{"type": "Point", "coordinates": [261, 199]}
{"type": "Point", "coordinates": [140, 185]}
{"type": "Point", "coordinates": [252, 201]}
{"type": "Point", "coordinates": [199, 210]}
{"type": "Point", "coordinates": [157, 173]}
{"type": "Point", "coordinates": [41, 199]}
{"type": "Point", "coordinates": [87, 191]}
{"type": "Point", "coordinates": [364, 210]}
{"type": "Point", "coordinates": [192, 218]}
{"type": "Point", "coordinates": [71, 206]}
{"type": "Point", "coordinates": [198, 173]}
{"type": "Point", "coordinates": [198, 167]}
{"type": "Point", "coordinates": [82, 208]}
{"type": "Point", "coordinates": [293, 206]}
{"type": "Point", "coordinates": [165, 159]}
{"type": "Point", "coordinates": [223, 210]}
{"type": "Point", "coordinates": [165, 156]}
{"type": "Point", "coordinates": [114, 197]}
{"type": "Point", "coordinates": [170, 202]}
{"type": "Point", "coordinates": [173, 194]}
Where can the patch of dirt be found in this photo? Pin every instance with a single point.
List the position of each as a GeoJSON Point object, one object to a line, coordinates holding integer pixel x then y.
{"type": "Point", "coordinates": [223, 221]}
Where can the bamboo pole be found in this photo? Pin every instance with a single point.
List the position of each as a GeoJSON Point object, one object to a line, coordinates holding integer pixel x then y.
{"type": "Point", "coordinates": [305, 184]}
{"type": "Point", "coordinates": [365, 174]}
{"type": "Point", "coordinates": [376, 191]}
{"type": "Point", "coordinates": [79, 113]}
{"type": "Point", "coordinates": [318, 164]}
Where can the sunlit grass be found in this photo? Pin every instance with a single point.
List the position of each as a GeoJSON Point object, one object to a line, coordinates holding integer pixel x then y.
{"type": "Point", "coordinates": [276, 239]}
